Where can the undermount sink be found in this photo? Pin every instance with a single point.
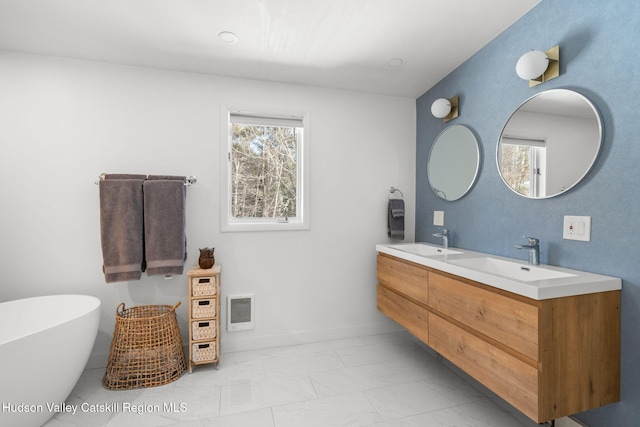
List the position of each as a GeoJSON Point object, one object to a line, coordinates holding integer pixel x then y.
{"type": "Point", "coordinates": [512, 270]}
{"type": "Point", "coordinates": [424, 249]}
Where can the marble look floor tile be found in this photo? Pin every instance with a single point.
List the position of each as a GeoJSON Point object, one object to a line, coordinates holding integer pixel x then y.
{"type": "Point", "coordinates": [261, 354]}
{"type": "Point", "coordinates": [321, 346]}
{"type": "Point", "coordinates": [387, 337]}
{"type": "Point", "coordinates": [384, 380]}
{"type": "Point", "coordinates": [137, 418]}
{"type": "Point", "coordinates": [353, 379]}
{"type": "Point", "coordinates": [401, 401]}
{"type": "Point", "coordinates": [228, 373]}
{"type": "Point", "coordinates": [381, 352]}
{"type": "Point", "coordinates": [449, 382]}
{"type": "Point", "coordinates": [480, 413]}
{"type": "Point", "coordinates": [414, 368]}
{"type": "Point", "coordinates": [258, 418]}
{"type": "Point", "coordinates": [264, 394]}
{"type": "Point", "coordinates": [96, 405]}
{"type": "Point", "coordinates": [351, 410]}
{"type": "Point", "coordinates": [195, 401]}
{"type": "Point", "coordinates": [301, 364]}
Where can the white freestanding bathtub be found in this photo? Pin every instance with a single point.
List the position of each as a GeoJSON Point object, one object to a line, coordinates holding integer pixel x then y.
{"type": "Point", "coordinates": [45, 343]}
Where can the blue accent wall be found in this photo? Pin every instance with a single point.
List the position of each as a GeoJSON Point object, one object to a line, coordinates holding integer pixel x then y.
{"type": "Point", "coordinates": [600, 58]}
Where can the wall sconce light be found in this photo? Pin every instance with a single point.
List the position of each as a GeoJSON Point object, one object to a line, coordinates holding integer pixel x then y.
{"type": "Point", "coordinates": [538, 66]}
{"type": "Point", "coordinates": [445, 109]}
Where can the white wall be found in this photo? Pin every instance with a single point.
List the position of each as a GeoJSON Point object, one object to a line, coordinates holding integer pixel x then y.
{"type": "Point", "coordinates": [63, 122]}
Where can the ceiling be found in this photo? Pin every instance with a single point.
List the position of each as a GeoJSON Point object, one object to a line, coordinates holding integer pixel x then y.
{"type": "Point", "coordinates": [560, 102]}
{"type": "Point", "coordinates": [344, 44]}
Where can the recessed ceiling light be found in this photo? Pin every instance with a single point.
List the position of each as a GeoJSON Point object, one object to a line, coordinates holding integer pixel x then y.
{"type": "Point", "coordinates": [395, 62]}
{"type": "Point", "coordinates": [228, 37]}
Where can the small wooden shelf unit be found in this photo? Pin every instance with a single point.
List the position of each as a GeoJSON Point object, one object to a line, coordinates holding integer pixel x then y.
{"type": "Point", "coordinates": [204, 316]}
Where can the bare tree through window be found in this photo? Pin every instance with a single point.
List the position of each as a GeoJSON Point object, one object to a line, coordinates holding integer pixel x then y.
{"type": "Point", "coordinates": [264, 171]}
{"type": "Point", "coordinates": [516, 167]}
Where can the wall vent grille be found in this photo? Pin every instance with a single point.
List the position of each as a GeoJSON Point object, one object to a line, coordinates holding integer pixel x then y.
{"type": "Point", "coordinates": [240, 309]}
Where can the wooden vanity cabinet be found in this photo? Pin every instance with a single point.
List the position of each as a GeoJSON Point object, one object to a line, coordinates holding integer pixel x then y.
{"type": "Point", "coordinates": [403, 294]}
{"type": "Point", "coordinates": [548, 358]}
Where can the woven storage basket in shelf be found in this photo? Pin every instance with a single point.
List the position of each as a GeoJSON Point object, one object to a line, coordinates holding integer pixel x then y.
{"type": "Point", "coordinates": [146, 350]}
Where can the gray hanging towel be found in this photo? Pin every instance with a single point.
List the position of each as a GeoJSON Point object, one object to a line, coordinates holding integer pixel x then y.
{"type": "Point", "coordinates": [121, 227]}
{"type": "Point", "coordinates": [395, 221]}
{"type": "Point", "coordinates": [164, 224]}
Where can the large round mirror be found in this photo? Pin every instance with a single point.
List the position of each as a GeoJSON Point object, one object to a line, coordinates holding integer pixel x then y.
{"type": "Point", "coordinates": [549, 144]}
{"type": "Point", "coordinates": [453, 162]}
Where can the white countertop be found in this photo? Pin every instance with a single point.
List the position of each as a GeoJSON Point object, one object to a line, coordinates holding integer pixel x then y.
{"type": "Point", "coordinates": [578, 283]}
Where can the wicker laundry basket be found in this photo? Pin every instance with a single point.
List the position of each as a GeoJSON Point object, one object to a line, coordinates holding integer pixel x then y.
{"type": "Point", "coordinates": [146, 350]}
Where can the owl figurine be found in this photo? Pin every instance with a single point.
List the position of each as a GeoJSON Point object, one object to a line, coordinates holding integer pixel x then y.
{"type": "Point", "coordinates": [206, 259]}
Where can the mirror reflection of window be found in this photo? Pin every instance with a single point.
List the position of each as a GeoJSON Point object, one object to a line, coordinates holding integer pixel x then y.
{"type": "Point", "coordinates": [554, 139]}
{"type": "Point", "coordinates": [523, 165]}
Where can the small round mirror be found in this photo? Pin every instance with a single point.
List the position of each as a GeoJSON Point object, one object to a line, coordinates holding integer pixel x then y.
{"type": "Point", "coordinates": [549, 144]}
{"type": "Point", "coordinates": [453, 162]}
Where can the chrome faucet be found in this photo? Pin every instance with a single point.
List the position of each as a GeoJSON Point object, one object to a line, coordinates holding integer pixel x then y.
{"type": "Point", "coordinates": [445, 238]}
{"type": "Point", "coordinates": [534, 250]}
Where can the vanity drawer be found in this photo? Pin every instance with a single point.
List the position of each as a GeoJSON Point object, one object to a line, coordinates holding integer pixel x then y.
{"type": "Point", "coordinates": [510, 378]}
{"type": "Point", "coordinates": [408, 314]}
{"type": "Point", "coordinates": [507, 320]}
{"type": "Point", "coordinates": [405, 277]}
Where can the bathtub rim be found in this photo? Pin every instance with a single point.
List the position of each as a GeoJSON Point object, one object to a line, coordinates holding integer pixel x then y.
{"type": "Point", "coordinates": [94, 303]}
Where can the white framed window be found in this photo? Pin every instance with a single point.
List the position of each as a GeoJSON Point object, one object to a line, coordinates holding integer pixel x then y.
{"type": "Point", "coordinates": [265, 170]}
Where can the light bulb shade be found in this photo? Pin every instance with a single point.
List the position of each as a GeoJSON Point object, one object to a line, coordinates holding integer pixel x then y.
{"type": "Point", "coordinates": [441, 108]}
{"type": "Point", "coordinates": [532, 65]}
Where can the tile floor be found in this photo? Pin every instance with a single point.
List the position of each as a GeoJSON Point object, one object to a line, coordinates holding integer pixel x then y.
{"type": "Point", "coordinates": [380, 380]}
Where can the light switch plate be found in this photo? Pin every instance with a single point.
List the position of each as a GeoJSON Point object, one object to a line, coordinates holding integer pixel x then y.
{"type": "Point", "coordinates": [577, 228]}
{"type": "Point", "coordinates": [438, 218]}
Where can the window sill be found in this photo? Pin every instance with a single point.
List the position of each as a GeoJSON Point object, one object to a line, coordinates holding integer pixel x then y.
{"type": "Point", "coordinates": [271, 226]}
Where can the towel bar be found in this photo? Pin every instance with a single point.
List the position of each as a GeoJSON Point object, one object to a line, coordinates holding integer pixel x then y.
{"type": "Point", "coordinates": [187, 181]}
